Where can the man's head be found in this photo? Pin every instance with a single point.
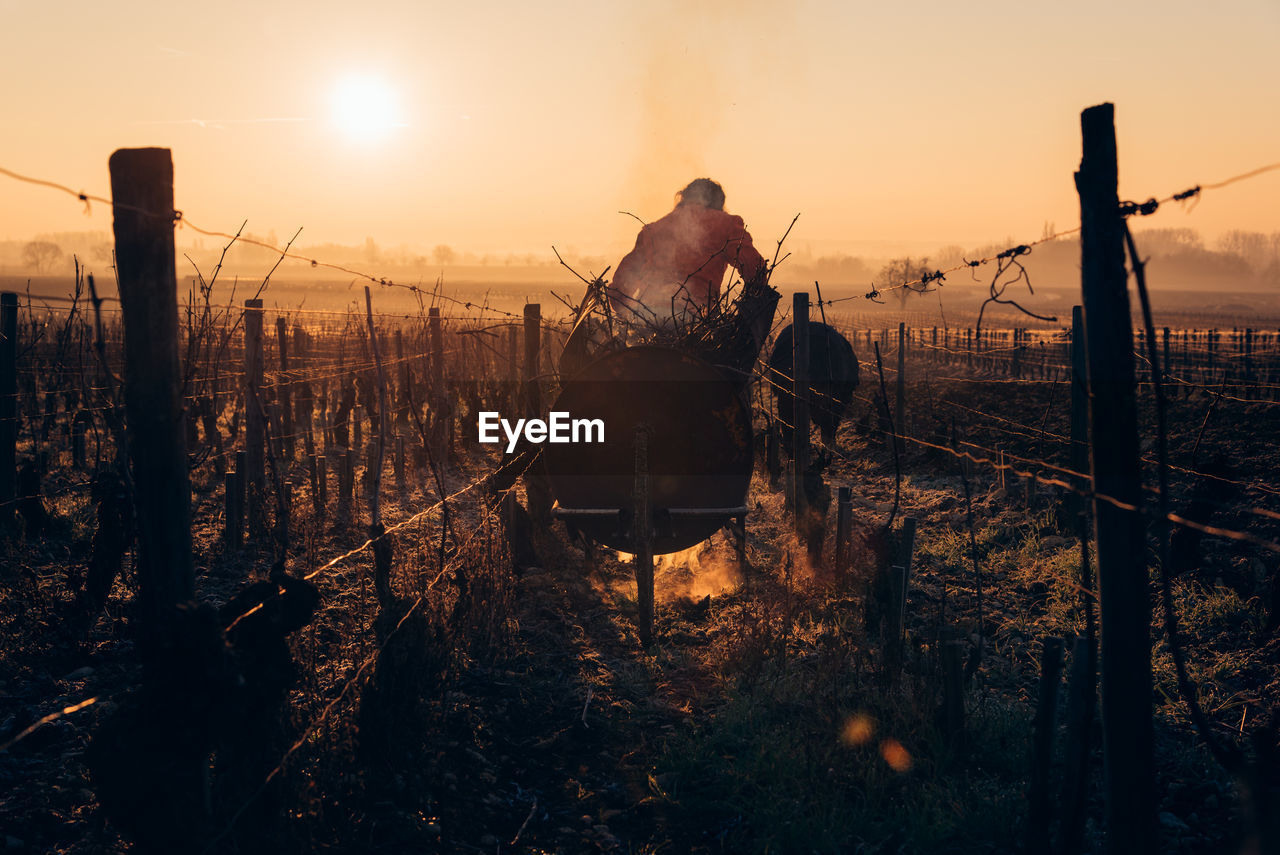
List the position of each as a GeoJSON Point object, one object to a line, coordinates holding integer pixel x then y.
{"type": "Point", "coordinates": [704, 192]}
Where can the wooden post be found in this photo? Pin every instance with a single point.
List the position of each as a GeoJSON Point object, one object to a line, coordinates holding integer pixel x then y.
{"type": "Point", "coordinates": [893, 624]}
{"type": "Point", "coordinates": [322, 481]}
{"type": "Point", "coordinates": [906, 550]}
{"type": "Point", "coordinates": [8, 403]}
{"type": "Point", "coordinates": [1121, 541]}
{"type": "Point", "coordinates": [254, 415]}
{"type": "Point", "coordinates": [1075, 775]}
{"type": "Point", "coordinates": [313, 474]}
{"type": "Point", "coordinates": [348, 480]}
{"type": "Point", "coordinates": [77, 443]}
{"type": "Point", "coordinates": [1041, 811]}
{"type": "Point", "coordinates": [537, 491]}
{"type": "Point", "coordinates": [306, 394]}
{"type": "Point", "coordinates": [437, 396]}
{"type": "Point", "coordinates": [285, 390]}
{"type": "Point", "coordinates": [242, 480]}
{"type": "Point", "coordinates": [800, 406]}
{"type": "Point", "coordinates": [402, 399]}
{"type": "Point", "coordinates": [952, 688]}
{"type": "Point", "coordinates": [1168, 366]}
{"type": "Point", "coordinates": [642, 536]}
{"type": "Point", "coordinates": [900, 407]}
{"type": "Point", "coordinates": [377, 449]}
{"type": "Point", "coordinates": [513, 367]}
{"type": "Point", "coordinates": [1079, 397]}
{"type": "Point", "coordinates": [142, 194]}
{"type": "Point", "coordinates": [231, 527]}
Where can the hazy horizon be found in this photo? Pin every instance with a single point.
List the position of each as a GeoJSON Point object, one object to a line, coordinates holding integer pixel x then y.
{"type": "Point", "coordinates": [499, 129]}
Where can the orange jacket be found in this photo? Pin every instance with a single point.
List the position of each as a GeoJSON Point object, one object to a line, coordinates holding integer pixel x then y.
{"type": "Point", "coordinates": [684, 256]}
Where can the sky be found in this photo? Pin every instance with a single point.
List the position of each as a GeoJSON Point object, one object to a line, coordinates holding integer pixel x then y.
{"type": "Point", "coordinates": [510, 127]}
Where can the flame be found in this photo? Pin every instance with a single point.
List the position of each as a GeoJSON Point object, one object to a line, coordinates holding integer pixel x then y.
{"type": "Point", "coordinates": [696, 572]}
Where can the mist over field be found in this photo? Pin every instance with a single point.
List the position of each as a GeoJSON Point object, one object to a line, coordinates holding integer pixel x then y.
{"type": "Point", "coordinates": [1233, 276]}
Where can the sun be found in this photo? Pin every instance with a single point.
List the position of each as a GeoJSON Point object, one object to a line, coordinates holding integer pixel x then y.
{"type": "Point", "coordinates": [364, 108]}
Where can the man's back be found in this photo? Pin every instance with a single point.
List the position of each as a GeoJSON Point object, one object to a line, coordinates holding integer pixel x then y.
{"type": "Point", "coordinates": [681, 259]}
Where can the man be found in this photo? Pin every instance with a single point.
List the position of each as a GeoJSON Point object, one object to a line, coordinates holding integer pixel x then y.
{"type": "Point", "coordinates": [679, 261]}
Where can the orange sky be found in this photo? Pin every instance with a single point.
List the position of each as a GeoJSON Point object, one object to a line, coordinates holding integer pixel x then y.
{"type": "Point", "coordinates": [516, 126]}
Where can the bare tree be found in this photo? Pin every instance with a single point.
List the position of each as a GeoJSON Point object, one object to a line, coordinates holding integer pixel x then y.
{"type": "Point", "coordinates": [904, 275]}
{"type": "Point", "coordinates": [41, 254]}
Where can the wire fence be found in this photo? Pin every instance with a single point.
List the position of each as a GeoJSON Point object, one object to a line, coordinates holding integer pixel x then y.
{"type": "Point", "coordinates": [985, 366]}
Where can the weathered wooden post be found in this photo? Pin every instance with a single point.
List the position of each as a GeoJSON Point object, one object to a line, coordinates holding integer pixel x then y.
{"type": "Point", "coordinates": [1121, 542]}
{"type": "Point", "coordinates": [285, 390]}
{"type": "Point", "coordinates": [1041, 812]}
{"type": "Point", "coordinates": [347, 482]}
{"type": "Point", "coordinates": [402, 399]}
{"type": "Point", "coordinates": [9, 403]}
{"type": "Point", "coordinates": [1079, 400]}
{"type": "Point", "coordinates": [322, 481]}
{"type": "Point", "coordinates": [231, 526]}
{"type": "Point", "coordinates": [305, 407]}
{"type": "Point", "coordinates": [513, 367]}
{"type": "Point", "coordinates": [642, 536]}
{"type": "Point", "coordinates": [900, 406]}
{"type": "Point", "coordinates": [952, 688]}
{"type": "Point", "coordinates": [537, 490]}
{"type": "Point", "coordinates": [906, 552]}
{"type": "Point", "coordinates": [142, 194]}
{"type": "Point", "coordinates": [1168, 366]}
{"type": "Point", "coordinates": [1075, 775]}
{"type": "Point", "coordinates": [439, 404]}
{"type": "Point", "coordinates": [78, 441]}
{"type": "Point", "coordinates": [893, 623]}
{"type": "Point", "coordinates": [242, 480]}
{"type": "Point", "coordinates": [800, 407]}
{"type": "Point", "coordinates": [254, 416]}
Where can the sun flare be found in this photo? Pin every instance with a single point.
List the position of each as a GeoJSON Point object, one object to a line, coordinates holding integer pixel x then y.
{"type": "Point", "coordinates": [364, 108]}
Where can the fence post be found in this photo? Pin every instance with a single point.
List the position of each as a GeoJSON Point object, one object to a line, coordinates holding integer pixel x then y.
{"type": "Point", "coordinates": [1079, 403]}
{"type": "Point", "coordinates": [900, 404]}
{"type": "Point", "coordinates": [1167, 365]}
{"type": "Point", "coordinates": [1041, 812]}
{"type": "Point", "coordinates": [285, 390]}
{"type": "Point", "coordinates": [1121, 544]}
{"type": "Point", "coordinates": [439, 405]}
{"type": "Point", "coordinates": [537, 493]}
{"type": "Point", "coordinates": [800, 406]}
{"type": "Point", "coordinates": [1075, 775]}
{"type": "Point", "coordinates": [254, 415]}
{"type": "Point", "coordinates": [8, 403]}
{"type": "Point", "coordinates": [142, 190]}
{"type": "Point", "coordinates": [304, 411]}
{"type": "Point", "coordinates": [402, 399]}
{"type": "Point", "coordinates": [893, 623]}
{"type": "Point", "coordinates": [952, 689]}
{"type": "Point", "coordinates": [232, 497]}
{"type": "Point", "coordinates": [906, 552]}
